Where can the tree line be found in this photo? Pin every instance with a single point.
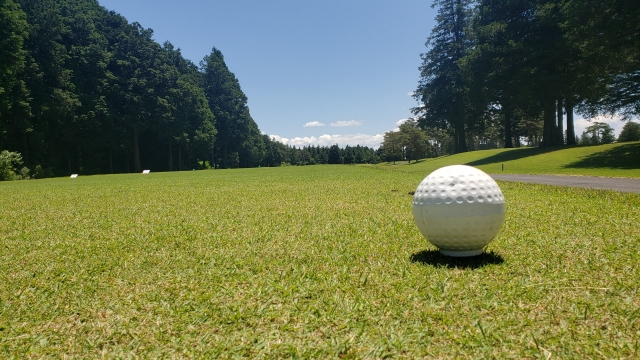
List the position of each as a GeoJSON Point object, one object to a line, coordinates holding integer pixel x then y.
{"type": "Point", "coordinates": [82, 90]}
{"type": "Point", "coordinates": [501, 72]}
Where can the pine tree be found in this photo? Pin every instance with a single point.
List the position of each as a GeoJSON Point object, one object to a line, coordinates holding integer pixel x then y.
{"type": "Point", "coordinates": [14, 106]}
{"type": "Point", "coordinates": [442, 87]}
{"type": "Point", "coordinates": [630, 132]}
{"type": "Point", "coordinates": [228, 104]}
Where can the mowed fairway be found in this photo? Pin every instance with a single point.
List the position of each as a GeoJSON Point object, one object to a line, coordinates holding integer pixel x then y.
{"type": "Point", "coordinates": [312, 262]}
{"type": "Point", "coordinates": [611, 160]}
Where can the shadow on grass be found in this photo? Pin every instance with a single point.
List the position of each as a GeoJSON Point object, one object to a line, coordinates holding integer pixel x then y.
{"type": "Point", "coordinates": [515, 155]}
{"type": "Point", "coordinates": [435, 258]}
{"type": "Point", "coordinates": [620, 157]}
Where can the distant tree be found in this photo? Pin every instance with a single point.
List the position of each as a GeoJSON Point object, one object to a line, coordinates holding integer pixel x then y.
{"type": "Point", "coordinates": [136, 98]}
{"type": "Point", "coordinates": [322, 155]}
{"type": "Point", "coordinates": [304, 157]}
{"type": "Point", "coordinates": [335, 155]}
{"type": "Point", "coordinates": [349, 155]}
{"type": "Point", "coordinates": [228, 104]}
{"type": "Point", "coordinates": [597, 133]}
{"type": "Point", "coordinates": [630, 132]}
{"type": "Point", "coordinates": [186, 119]}
{"type": "Point", "coordinates": [359, 155]}
{"type": "Point", "coordinates": [414, 140]}
{"type": "Point", "coordinates": [274, 152]}
{"type": "Point", "coordinates": [530, 128]}
{"type": "Point", "coordinates": [392, 146]}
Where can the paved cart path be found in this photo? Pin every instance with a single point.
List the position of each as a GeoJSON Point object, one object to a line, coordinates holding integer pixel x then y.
{"type": "Point", "coordinates": [616, 184]}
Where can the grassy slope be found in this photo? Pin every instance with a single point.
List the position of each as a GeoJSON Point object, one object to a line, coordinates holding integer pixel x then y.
{"type": "Point", "coordinates": [614, 160]}
{"type": "Point", "coordinates": [321, 261]}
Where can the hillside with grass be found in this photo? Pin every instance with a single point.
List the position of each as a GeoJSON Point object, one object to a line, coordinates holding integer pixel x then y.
{"type": "Point", "coordinates": [611, 160]}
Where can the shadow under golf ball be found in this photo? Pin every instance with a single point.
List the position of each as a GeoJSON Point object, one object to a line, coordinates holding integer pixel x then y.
{"type": "Point", "coordinates": [437, 259]}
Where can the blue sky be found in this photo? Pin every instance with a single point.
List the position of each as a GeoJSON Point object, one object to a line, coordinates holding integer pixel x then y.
{"type": "Point", "coordinates": [315, 72]}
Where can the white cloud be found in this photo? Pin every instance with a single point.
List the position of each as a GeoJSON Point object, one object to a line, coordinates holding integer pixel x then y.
{"type": "Point", "coordinates": [411, 93]}
{"type": "Point", "coordinates": [372, 141]}
{"type": "Point", "coordinates": [347, 123]}
{"type": "Point", "coordinates": [313, 123]}
{"type": "Point", "coordinates": [401, 121]}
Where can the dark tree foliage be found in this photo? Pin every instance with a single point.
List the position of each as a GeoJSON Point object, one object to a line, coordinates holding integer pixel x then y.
{"type": "Point", "coordinates": [277, 154]}
{"type": "Point", "coordinates": [82, 90]}
{"type": "Point", "coordinates": [494, 66]}
{"type": "Point", "coordinates": [14, 102]}
{"type": "Point", "coordinates": [237, 132]}
{"type": "Point", "coordinates": [408, 143]}
{"type": "Point", "coordinates": [442, 87]}
{"type": "Point", "coordinates": [335, 155]}
{"type": "Point", "coordinates": [630, 132]}
{"type": "Point", "coordinates": [608, 33]}
{"type": "Point", "coordinates": [523, 66]}
{"type": "Point", "coordinates": [597, 133]}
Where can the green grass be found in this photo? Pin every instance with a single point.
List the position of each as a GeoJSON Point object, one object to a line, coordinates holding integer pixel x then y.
{"type": "Point", "coordinates": [613, 160]}
{"type": "Point", "coordinates": [312, 262]}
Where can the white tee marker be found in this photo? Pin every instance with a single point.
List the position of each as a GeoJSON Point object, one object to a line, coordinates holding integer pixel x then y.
{"type": "Point", "coordinates": [73, 176]}
{"type": "Point", "coordinates": [146, 171]}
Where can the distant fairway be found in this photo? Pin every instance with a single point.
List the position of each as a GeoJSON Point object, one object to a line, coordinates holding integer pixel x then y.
{"type": "Point", "coordinates": [313, 262]}
{"type": "Point", "coordinates": [613, 160]}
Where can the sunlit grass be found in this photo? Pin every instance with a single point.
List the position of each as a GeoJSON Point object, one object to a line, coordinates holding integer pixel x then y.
{"type": "Point", "coordinates": [613, 160]}
{"type": "Point", "coordinates": [318, 262]}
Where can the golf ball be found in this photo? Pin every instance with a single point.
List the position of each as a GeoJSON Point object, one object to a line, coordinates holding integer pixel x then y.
{"type": "Point", "coordinates": [459, 209]}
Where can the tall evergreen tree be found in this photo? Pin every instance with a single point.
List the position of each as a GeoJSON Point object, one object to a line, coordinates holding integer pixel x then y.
{"type": "Point", "coordinates": [630, 132]}
{"type": "Point", "coordinates": [228, 104]}
{"type": "Point", "coordinates": [495, 65]}
{"type": "Point", "coordinates": [49, 80]}
{"type": "Point", "coordinates": [14, 101]}
{"type": "Point", "coordinates": [335, 155]}
{"type": "Point", "coordinates": [442, 87]}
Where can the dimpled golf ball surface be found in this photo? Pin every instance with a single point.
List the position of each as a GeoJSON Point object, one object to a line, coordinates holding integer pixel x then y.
{"type": "Point", "coordinates": [459, 209]}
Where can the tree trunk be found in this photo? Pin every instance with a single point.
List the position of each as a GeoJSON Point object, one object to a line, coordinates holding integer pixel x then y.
{"type": "Point", "coordinates": [213, 159]}
{"type": "Point", "coordinates": [25, 152]}
{"type": "Point", "coordinates": [571, 133]}
{"type": "Point", "coordinates": [560, 127]}
{"type": "Point", "coordinates": [126, 156]}
{"type": "Point", "coordinates": [461, 139]}
{"type": "Point", "coordinates": [549, 137]}
{"type": "Point", "coordinates": [170, 155]}
{"type": "Point", "coordinates": [179, 158]}
{"type": "Point", "coordinates": [224, 156]}
{"type": "Point", "coordinates": [110, 160]}
{"type": "Point", "coordinates": [136, 152]}
{"type": "Point", "coordinates": [471, 144]}
{"type": "Point", "coordinates": [508, 137]}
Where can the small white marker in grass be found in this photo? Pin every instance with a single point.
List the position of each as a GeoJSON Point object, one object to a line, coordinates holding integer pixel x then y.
{"type": "Point", "coordinates": [73, 176]}
{"type": "Point", "coordinates": [146, 171]}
